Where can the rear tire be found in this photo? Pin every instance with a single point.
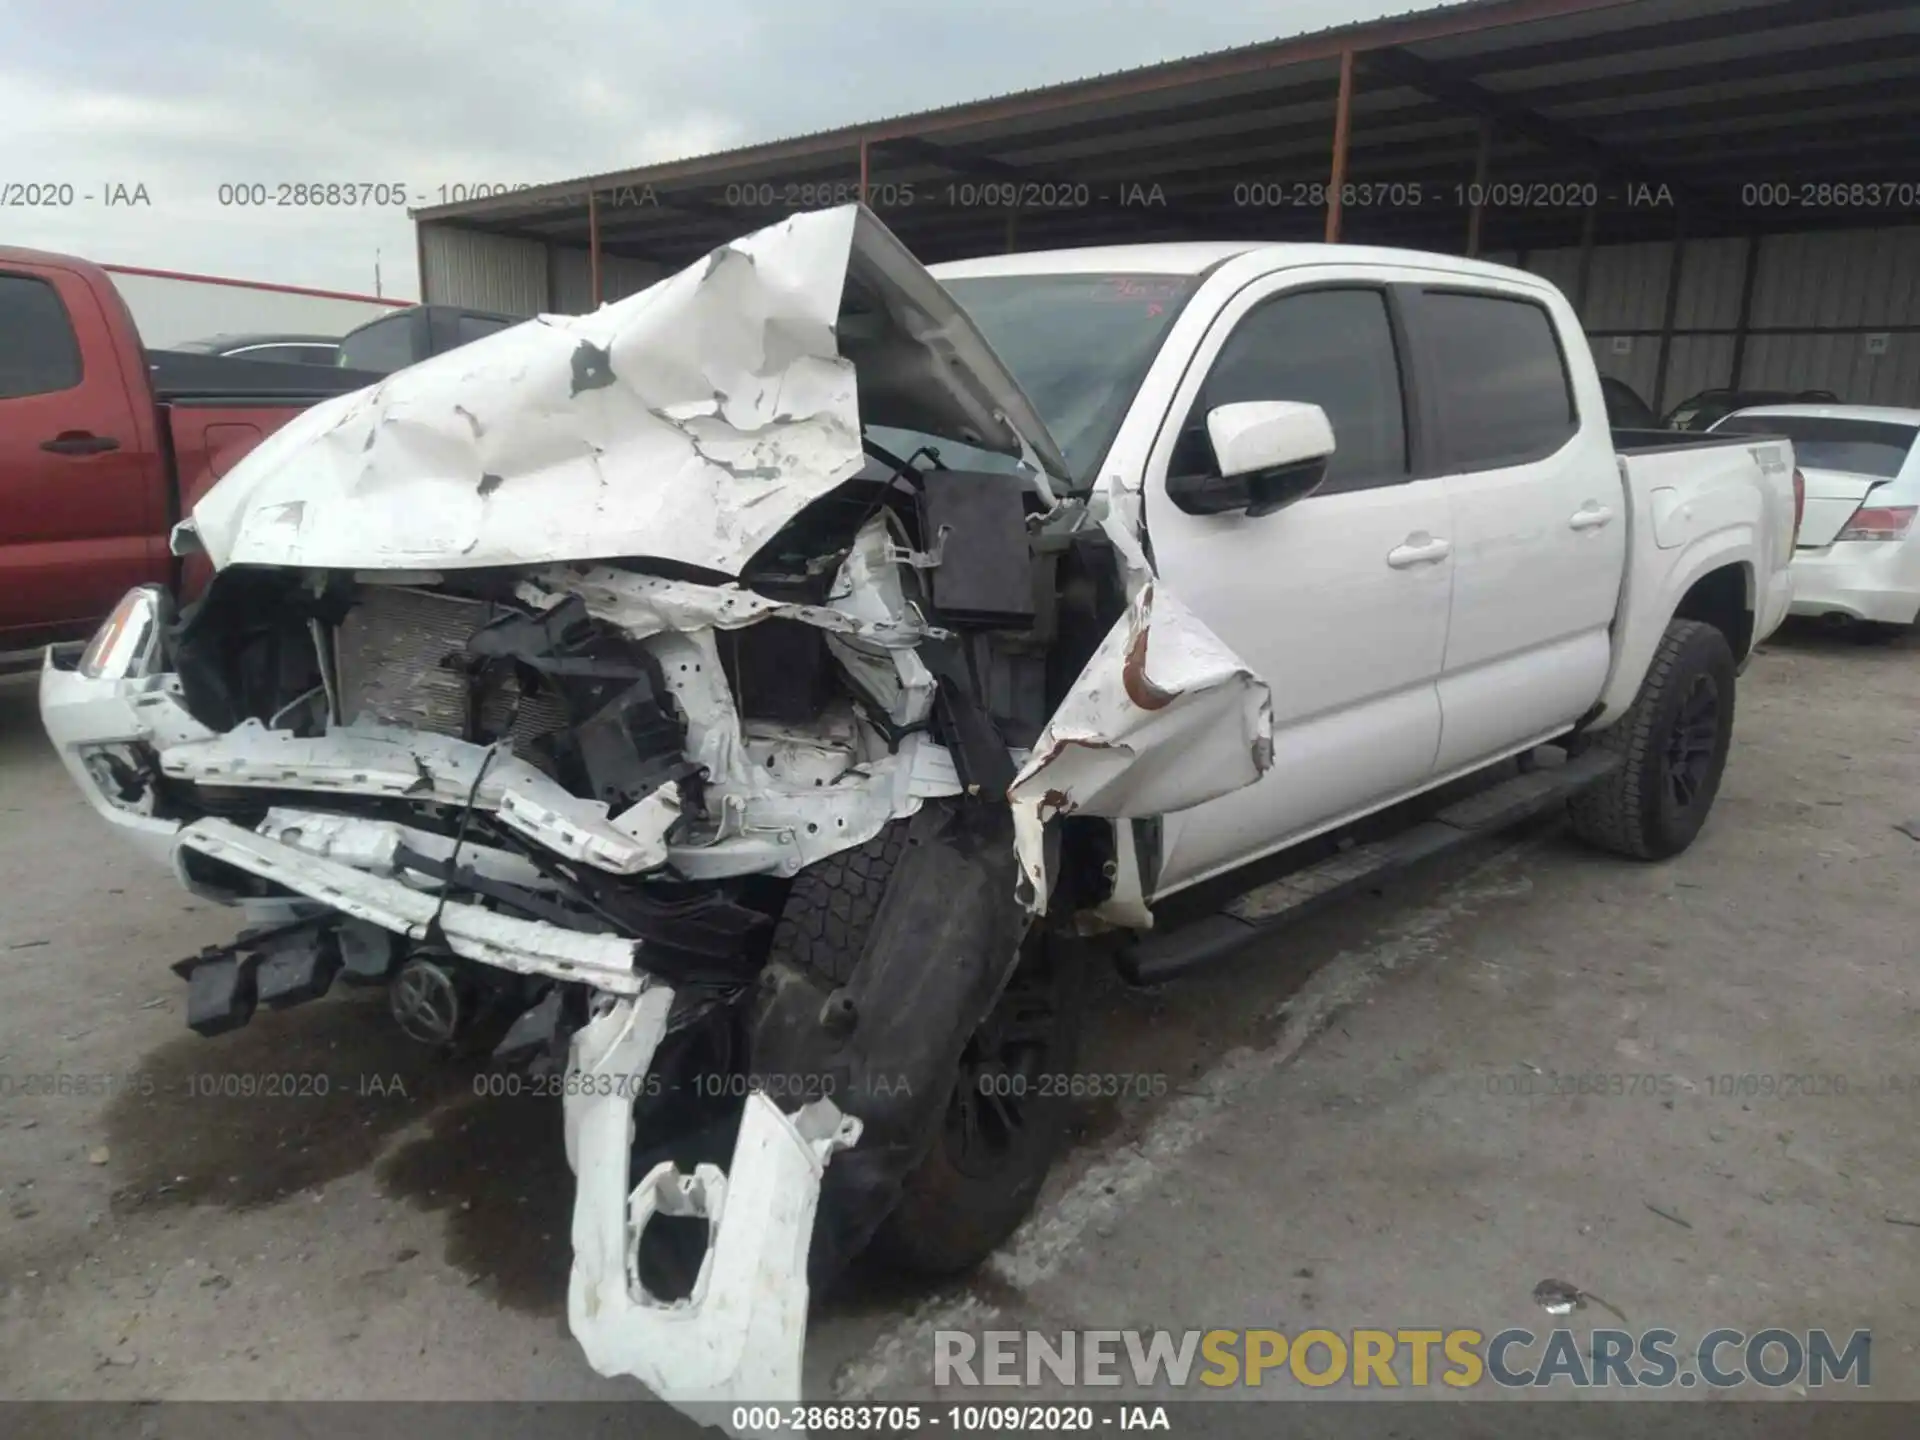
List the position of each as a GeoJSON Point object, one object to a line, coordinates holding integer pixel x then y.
{"type": "Point", "coordinates": [1672, 746]}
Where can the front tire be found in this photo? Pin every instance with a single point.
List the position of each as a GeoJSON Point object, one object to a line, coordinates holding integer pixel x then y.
{"type": "Point", "coordinates": [1672, 746]}
{"type": "Point", "coordinates": [1003, 1124]}
{"type": "Point", "coordinates": [956, 1003]}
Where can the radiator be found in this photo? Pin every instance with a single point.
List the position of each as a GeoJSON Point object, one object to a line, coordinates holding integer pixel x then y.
{"type": "Point", "coordinates": [389, 652]}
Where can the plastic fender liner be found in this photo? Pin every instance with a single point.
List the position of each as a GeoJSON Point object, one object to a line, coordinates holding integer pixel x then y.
{"type": "Point", "coordinates": [945, 938]}
{"type": "Point", "coordinates": [740, 1334]}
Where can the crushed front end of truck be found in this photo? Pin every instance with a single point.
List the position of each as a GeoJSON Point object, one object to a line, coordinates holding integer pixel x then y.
{"type": "Point", "coordinates": [535, 682]}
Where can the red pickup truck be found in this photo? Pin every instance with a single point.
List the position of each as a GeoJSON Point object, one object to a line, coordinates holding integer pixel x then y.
{"type": "Point", "coordinates": [105, 444]}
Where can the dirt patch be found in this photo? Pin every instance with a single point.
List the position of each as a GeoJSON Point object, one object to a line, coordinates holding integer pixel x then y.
{"type": "Point", "coordinates": [297, 1099]}
{"type": "Point", "coordinates": [496, 1168]}
{"type": "Point", "coordinates": [288, 1102]}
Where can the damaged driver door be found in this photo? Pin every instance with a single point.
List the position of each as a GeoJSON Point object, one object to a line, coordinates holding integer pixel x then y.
{"type": "Point", "coordinates": [1339, 601]}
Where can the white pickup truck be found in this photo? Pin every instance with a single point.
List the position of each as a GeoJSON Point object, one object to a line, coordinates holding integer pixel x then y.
{"type": "Point", "coordinates": [742, 703]}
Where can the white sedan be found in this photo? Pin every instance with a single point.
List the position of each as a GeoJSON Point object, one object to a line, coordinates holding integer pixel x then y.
{"type": "Point", "coordinates": [1858, 554]}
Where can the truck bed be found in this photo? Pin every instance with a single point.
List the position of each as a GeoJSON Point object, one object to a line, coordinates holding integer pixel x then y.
{"type": "Point", "coordinates": [1653, 442]}
{"type": "Point", "coordinates": [1692, 505]}
{"type": "Point", "coordinates": [187, 375]}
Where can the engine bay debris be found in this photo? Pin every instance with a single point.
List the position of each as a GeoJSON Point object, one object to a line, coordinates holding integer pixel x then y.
{"type": "Point", "coordinates": [555, 683]}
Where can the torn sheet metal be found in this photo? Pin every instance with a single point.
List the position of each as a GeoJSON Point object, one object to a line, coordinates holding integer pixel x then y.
{"type": "Point", "coordinates": [824, 791]}
{"type": "Point", "coordinates": [739, 1335]}
{"type": "Point", "coordinates": [378, 846]}
{"type": "Point", "coordinates": [782, 817]}
{"type": "Point", "coordinates": [689, 422]}
{"type": "Point", "coordinates": [388, 760]}
{"type": "Point", "coordinates": [530, 947]}
{"type": "Point", "coordinates": [1162, 718]}
{"type": "Point", "coordinates": [645, 605]}
{"type": "Point", "coordinates": [868, 590]}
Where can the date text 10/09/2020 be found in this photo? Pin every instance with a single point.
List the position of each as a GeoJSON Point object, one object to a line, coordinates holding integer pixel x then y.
{"type": "Point", "coordinates": [1415, 195]}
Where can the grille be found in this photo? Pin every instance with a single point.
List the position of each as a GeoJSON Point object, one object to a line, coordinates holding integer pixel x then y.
{"type": "Point", "coordinates": [389, 650]}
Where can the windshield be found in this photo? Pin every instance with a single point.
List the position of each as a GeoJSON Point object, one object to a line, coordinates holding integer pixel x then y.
{"type": "Point", "coordinates": [1078, 344]}
{"type": "Point", "coordinates": [1824, 442]}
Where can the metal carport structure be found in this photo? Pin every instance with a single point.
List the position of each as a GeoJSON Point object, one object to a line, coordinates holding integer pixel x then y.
{"type": "Point", "coordinates": [1722, 185]}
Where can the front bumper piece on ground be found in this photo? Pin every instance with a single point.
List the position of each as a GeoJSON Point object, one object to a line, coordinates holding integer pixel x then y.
{"type": "Point", "coordinates": [738, 1337]}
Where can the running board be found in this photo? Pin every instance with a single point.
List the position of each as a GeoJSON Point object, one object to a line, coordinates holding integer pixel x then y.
{"type": "Point", "coordinates": [1161, 955]}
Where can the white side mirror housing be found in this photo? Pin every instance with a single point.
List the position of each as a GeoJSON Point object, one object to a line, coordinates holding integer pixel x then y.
{"type": "Point", "coordinates": [1259, 435]}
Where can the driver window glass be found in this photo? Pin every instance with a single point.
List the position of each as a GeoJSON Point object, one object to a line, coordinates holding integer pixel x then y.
{"type": "Point", "coordinates": [38, 352]}
{"type": "Point", "coordinates": [1331, 348]}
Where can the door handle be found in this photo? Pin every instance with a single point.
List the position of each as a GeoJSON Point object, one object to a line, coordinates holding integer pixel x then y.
{"type": "Point", "coordinates": [1420, 549]}
{"type": "Point", "coordinates": [79, 442]}
{"type": "Point", "coordinates": [1590, 516]}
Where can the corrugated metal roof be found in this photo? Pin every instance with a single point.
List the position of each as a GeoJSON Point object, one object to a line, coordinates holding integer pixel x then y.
{"type": "Point", "coordinates": [1603, 100]}
{"type": "Point", "coordinates": [923, 120]}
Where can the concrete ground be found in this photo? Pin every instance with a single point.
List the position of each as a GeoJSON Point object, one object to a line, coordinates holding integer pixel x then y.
{"type": "Point", "coordinates": [1372, 1120]}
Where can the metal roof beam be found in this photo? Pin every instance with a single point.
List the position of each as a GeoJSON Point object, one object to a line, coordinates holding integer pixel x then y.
{"type": "Point", "coordinates": [987, 167]}
{"type": "Point", "coordinates": [1651, 39]}
{"type": "Point", "coordinates": [1654, 78]}
{"type": "Point", "coordinates": [1791, 149]}
{"type": "Point", "coordinates": [1444, 83]}
{"type": "Point", "coordinates": [1867, 100]}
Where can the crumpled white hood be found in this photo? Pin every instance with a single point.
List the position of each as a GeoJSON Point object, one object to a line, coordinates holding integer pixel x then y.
{"type": "Point", "coordinates": [689, 422]}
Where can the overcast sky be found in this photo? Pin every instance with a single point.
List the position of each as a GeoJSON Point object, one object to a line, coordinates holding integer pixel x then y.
{"type": "Point", "coordinates": [182, 97]}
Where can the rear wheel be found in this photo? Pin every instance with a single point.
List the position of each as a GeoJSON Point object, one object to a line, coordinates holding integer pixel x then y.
{"type": "Point", "coordinates": [1672, 746]}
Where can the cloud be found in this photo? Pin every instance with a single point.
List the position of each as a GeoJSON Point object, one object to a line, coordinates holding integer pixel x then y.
{"type": "Point", "coordinates": [186, 98]}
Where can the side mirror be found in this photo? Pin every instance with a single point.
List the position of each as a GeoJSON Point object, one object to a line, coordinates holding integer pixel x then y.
{"type": "Point", "coordinates": [1267, 455]}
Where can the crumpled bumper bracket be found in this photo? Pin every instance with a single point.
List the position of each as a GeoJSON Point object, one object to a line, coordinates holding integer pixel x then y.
{"type": "Point", "coordinates": [531, 947]}
{"type": "Point", "coordinates": [740, 1335]}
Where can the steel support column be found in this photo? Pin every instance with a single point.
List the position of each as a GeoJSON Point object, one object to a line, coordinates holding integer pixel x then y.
{"type": "Point", "coordinates": [1750, 270]}
{"type": "Point", "coordinates": [593, 249]}
{"type": "Point", "coordinates": [1482, 162]}
{"type": "Point", "coordinates": [1342, 124]}
{"type": "Point", "coordinates": [1584, 283]}
{"type": "Point", "coordinates": [1657, 399]}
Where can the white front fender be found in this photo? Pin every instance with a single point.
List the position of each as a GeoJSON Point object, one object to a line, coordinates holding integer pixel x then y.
{"type": "Point", "coordinates": [1163, 717]}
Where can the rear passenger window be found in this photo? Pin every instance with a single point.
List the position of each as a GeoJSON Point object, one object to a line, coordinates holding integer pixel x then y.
{"type": "Point", "coordinates": [1331, 348]}
{"type": "Point", "coordinates": [381, 346]}
{"type": "Point", "coordinates": [1501, 391]}
{"type": "Point", "coordinates": [38, 351]}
